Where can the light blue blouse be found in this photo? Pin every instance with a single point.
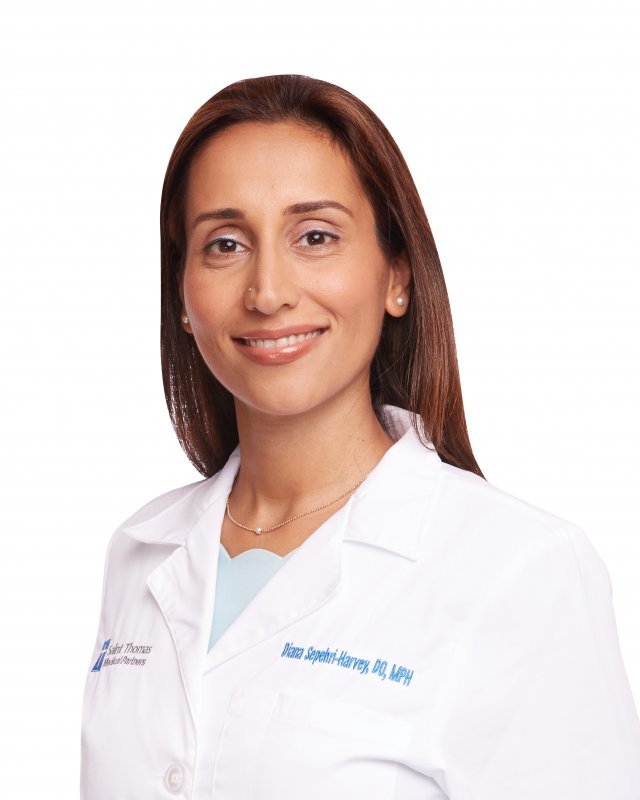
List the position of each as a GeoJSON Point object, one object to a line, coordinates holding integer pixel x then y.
{"type": "Point", "coordinates": [239, 580]}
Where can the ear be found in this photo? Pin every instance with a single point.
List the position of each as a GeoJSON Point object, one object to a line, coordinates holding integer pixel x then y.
{"type": "Point", "coordinates": [183, 312]}
{"type": "Point", "coordinates": [398, 291]}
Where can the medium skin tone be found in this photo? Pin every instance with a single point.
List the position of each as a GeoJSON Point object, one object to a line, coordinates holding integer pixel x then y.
{"type": "Point", "coordinates": [278, 209]}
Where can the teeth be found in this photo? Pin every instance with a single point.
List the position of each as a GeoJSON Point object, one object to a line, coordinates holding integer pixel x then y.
{"type": "Point", "coordinates": [283, 341]}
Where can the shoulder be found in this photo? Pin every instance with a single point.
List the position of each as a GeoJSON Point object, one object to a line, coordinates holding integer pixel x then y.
{"type": "Point", "coordinates": [496, 533]}
{"type": "Point", "coordinates": [418, 506]}
{"type": "Point", "coordinates": [469, 498]}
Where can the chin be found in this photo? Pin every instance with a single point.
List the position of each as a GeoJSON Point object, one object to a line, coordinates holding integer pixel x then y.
{"type": "Point", "coordinates": [289, 405]}
{"type": "Point", "coordinates": [290, 396]}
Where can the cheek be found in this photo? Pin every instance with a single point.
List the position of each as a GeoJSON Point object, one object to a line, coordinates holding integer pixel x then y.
{"type": "Point", "coordinates": [206, 320]}
{"type": "Point", "coordinates": [360, 295]}
{"type": "Point", "coordinates": [204, 301]}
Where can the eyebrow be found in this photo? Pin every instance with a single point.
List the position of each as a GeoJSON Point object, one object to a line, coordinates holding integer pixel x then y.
{"type": "Point", "coordinates": [296, 208]}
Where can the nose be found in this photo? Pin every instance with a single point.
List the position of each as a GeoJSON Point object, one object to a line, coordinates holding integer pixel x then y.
{"type": "Point", "coordinates": [272, 282]}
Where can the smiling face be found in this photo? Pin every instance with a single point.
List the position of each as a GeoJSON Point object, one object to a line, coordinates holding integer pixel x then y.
{"type": "Point", "coordinates": [284, 284]}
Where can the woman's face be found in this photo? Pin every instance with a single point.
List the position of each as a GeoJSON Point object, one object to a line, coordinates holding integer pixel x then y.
{"type": "Point", "coordinates": [284, 284]}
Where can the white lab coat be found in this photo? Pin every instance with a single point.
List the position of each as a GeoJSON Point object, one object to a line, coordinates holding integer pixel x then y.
{"type": "Point", "coordinates": [435, 638]}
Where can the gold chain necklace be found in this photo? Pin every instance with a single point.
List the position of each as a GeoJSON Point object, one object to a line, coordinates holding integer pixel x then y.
{"type": "Point", "coordinates": [297, 516]}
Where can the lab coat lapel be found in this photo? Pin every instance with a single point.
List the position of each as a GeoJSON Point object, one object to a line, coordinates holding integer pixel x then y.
{"type": "Point", "coordinates": [183, 584]}
{"type": "Point", "coordinates": [184, 588]}
{"type": "Point", "coordinates": [302, 584]}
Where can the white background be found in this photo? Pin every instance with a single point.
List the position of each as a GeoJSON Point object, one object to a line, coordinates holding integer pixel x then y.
{"type": "Point", "coordinates": [520, 123]}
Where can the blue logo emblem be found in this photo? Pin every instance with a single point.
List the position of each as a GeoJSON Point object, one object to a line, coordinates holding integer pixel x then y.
{"type": "Point", "coordinates": [98, 665]}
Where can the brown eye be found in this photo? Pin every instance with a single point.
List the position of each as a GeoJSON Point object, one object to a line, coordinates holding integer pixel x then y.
{"type": "Point", "coordinates": [317, 237]}
{"type": "Point", "coordinates": [223, 245]}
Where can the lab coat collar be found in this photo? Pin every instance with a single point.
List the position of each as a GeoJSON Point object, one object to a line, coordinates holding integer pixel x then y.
{"type": "Point", "coordinates": [391, 508]}
{"type": "Point", "coordinates": [165, 522]}
{"type": "Point", "coordinates": [388, 510]}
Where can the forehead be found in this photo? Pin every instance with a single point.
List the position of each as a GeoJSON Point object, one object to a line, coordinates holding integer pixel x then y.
{"type": "Point", "coordinates": [276, 163]}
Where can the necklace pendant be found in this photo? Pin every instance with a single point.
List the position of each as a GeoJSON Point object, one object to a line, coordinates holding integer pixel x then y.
{"type": "Point", "coordinates": [258, 530]}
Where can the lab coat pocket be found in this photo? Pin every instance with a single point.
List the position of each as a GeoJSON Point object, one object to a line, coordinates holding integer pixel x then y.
{"type": "Point", "coordinates": [279, 744]}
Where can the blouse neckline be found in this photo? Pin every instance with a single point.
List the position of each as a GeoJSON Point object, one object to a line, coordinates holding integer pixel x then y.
{"type": "Point", "coordinates": [258, 551]}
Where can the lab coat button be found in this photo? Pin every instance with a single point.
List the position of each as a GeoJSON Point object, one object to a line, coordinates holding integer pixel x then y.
{"type": "Point", "coordinates": [174, 778]}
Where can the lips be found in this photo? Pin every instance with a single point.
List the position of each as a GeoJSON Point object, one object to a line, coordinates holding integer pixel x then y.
{"type": "Point", "coordinates": [271, 347]}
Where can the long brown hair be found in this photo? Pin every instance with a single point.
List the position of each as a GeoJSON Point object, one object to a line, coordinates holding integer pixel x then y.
{"type": "Point", "coordinates": [415, 365]}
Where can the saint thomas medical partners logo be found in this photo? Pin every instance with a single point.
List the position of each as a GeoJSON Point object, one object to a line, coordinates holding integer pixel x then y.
{"type": "Point", "coordinates": [121, 653]}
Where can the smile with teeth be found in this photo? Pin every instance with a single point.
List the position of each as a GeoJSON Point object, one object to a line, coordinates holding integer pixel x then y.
{"type": "Point", "coordinates": [284, 341]}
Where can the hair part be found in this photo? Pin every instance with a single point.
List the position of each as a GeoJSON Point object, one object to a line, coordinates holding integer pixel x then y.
{"type": "Point", "coordinates": [415, 365]}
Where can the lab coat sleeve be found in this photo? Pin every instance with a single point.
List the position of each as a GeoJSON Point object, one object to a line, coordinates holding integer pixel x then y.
{"type": "Point", "coordinates": [538, 703]}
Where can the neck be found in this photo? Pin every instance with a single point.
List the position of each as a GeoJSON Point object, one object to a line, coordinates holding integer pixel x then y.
{"type": "Point", "coordinates": [290, 463]}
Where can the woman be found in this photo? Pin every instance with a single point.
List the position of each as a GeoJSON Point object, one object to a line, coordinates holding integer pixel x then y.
{"type": "Point", "coordinates": [343, 604]}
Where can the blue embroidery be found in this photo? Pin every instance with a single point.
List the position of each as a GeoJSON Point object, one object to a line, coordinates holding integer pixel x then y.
{"type": "Point", "coordinates": [342, 658]}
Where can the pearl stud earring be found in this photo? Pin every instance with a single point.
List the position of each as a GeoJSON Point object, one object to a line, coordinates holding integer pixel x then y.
{"type": "Point", "coordinates": [185, 318]}
{"type": "Point", "coordinates": [400, 301]}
